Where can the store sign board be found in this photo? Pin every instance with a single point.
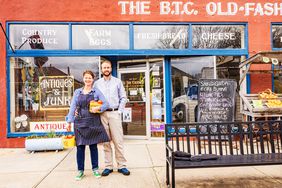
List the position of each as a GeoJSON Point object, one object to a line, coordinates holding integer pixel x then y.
{"type": "Point", "coordinates": [100, 36]}
{"type": "Point", "coordinates": [277, 36]}
{"type": "Point", "coordinates": [217, 36]}
{"type": "Point", "coordinates": [39, 36]}
{"type": "Point", "coordinates": [160, 37]}
{"type": "Point", "coordinates": [134, 84]}
{"type": "Point", "coordinates": [48, 126]}
{"type": "Point", "coordinates": [55, 92]}
{"type": "Point", "coordinates": [216, 100]}
{"type": "Point", "coordinates": [192, 8]}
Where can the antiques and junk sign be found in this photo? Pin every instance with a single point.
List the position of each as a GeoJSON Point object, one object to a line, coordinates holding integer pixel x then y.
{"type": "Point", "coordinates": [56, 92]}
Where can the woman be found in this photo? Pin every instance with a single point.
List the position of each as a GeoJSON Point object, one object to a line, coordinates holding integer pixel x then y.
{"type": "Point", "coordinates": [88, 128]}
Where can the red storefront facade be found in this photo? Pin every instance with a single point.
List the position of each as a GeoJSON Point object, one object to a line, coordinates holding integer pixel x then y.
{"type": "Point", "coordinates": [257, 16]}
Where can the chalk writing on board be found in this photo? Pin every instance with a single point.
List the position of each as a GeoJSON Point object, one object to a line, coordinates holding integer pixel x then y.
{"type": "Point", "coordinates": [216, 100]}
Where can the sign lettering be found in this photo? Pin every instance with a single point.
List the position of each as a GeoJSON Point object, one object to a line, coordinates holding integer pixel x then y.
{"type": "Point", "coordinates": [216, 100]}
{"type": "Point", "coordinates": [211, 8]}
{"type": "Point", "coordinates": [55, 92]}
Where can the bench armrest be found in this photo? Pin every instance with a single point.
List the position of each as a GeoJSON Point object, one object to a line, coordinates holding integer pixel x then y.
{"type": "Point", "coordinates": [169, 148]}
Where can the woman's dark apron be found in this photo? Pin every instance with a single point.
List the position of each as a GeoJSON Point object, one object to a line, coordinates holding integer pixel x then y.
{"type": "Point", "coordinates": [88, 127]}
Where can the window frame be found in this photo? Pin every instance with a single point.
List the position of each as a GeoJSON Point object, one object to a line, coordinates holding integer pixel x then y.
{"type": "Point", "coordinates": [166, 53]}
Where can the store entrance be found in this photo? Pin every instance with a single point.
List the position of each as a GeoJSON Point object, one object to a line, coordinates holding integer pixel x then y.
{"type": "Point", "coordinates": [144, 113]}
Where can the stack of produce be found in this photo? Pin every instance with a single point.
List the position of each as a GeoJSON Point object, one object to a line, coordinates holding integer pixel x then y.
{"type": "Point", "coordinates": [271, 98]}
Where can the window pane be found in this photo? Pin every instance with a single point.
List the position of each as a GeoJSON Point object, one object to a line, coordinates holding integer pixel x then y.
{"type": "Point", "coordinates": [100, 36]}
{"type": "Point", "coordinates": [186, 73]}
{"type": "Point", "coordinates": [160, 37]}
{"type": "Point", "coordinates": [227, 67]}
{"type": "Point", "coordinates": [41, 89]}
{"type": "Point", "coordinates": [277, 36]}
{"type": "Point", "coordinates": [157, 121]}
{"type": "Point", "coordinates": [217, 36]}
{"type": "Point", "coordinates": [277, 75]}
{"type": "Point", "coordinates": [39, 36]}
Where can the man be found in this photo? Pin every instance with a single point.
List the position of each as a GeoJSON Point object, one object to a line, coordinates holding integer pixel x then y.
{"type": "Point", "coordinates": [114, 93]}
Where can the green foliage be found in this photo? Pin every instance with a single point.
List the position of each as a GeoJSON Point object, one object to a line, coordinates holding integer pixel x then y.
{"type": "Point", "coordinates": [33, 136]}
{"type": "Point", "coordinates": [51, 134]}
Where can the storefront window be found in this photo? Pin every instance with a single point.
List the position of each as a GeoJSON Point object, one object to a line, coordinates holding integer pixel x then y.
{"type": "Point", "coordinates": [186, 73]}
{"type": "Point", "coordinates": [157, 99]}
{"type": "Point", "coordinates": [277, 78]}
{"type": "Point", "coordinates": [227, 67]}
{"type": "Point", "coordinates": [160, 37]}
{"type": "Point", "coordinates": [217, 36]}
{"type": "Point", "coordinates": [277, 36]}
{"type": "Point", "coordinates": [100, 36]}
{"type": "Point", "coordinates": [39, 36]}
{"type": "Point", "coordinates": [41, 89]}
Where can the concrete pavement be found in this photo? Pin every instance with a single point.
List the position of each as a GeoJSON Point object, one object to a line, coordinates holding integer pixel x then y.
{"type": "Point", "coordinates": [146, 161]}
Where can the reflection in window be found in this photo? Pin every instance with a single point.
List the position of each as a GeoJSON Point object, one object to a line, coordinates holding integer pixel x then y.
{"type": "Point", "coordinates": [160, 37]}
{"type": "Point", "coordinates": [277, 36]}
{"type": "Point", "coordinates": [186, 73]}
{"type": "Point", "coordinates": [41, 88]}
{"type": "Point", "coordinates": [157, 99]}
{"type": "Point", "coordinates": [217, 36]}
{"type": "Point", "coordinates": [39, 36]}
{"type": "Point", "coordinates": [100, 36]}
{"type": "Point", "coordinates": [277, 78]}
{"type": "Point", "coordinates": [227, 67]}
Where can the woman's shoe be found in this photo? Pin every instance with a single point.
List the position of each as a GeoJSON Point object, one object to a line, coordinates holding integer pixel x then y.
{"type": "Point", "coordinates": [96, 173]}
{"type": "Point", "coordinates": [79, 176]}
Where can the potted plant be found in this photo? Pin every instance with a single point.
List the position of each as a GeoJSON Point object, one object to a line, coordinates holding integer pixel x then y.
{"type": "Point", "coordinates": [51, 141]}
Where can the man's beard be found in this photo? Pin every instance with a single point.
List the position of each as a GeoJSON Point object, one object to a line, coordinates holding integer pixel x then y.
{"type": "Point", "coordinates": [106, 73]}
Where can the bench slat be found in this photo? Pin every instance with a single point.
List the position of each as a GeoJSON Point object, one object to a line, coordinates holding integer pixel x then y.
{"type": "Point", "coordinates": [233, 160]}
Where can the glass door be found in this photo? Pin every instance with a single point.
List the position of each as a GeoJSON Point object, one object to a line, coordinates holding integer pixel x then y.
{"type": "Point", "coordinates": [134, 115]}
{"type": "Point", "coordinates": [145, 110]}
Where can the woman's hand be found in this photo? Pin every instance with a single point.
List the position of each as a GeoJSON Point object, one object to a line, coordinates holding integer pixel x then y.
{"type": "Point", "coordinates": [69, 127]}
{"type": "Point", "coordinates": [95, 109]}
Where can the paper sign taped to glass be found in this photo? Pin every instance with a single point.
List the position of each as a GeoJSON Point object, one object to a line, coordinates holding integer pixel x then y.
{"type": "Point", "coordinates": [127, 115]}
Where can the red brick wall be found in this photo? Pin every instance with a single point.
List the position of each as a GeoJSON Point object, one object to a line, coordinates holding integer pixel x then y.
{"type": "Point", "coordinates": [260, 77]}
{"type": "Point", "coordinates": [109, 11]}
{"type": "Point", "coordinates": [260, 82]}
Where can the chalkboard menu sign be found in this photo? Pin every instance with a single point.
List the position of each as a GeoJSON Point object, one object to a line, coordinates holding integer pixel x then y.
{"type": "Point", "coordinates": [55, 92]}
{"type": "Point", "coordinates": [216, 101]}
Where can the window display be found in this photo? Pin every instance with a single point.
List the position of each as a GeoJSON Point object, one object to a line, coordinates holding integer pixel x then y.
{"type": "Point", "coordinates": [157, 100]}
{"type": "Point", "coordinates": [41, 89]}
{"type": "Point", "coordinates": [186, 73]}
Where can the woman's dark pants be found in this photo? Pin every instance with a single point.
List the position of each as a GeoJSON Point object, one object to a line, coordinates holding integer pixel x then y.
{"type": "Point", "coordinates": [80, 156]}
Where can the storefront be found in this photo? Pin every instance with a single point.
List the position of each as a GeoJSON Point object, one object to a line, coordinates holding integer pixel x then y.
{"type": "Point", "coordinates": [159, 49]}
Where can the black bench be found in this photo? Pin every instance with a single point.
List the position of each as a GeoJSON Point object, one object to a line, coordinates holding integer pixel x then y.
{"type": "Point", "coordinates": [232, 143]}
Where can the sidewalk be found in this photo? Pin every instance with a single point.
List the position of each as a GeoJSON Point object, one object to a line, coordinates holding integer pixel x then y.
{"type": "Point", "coordinates": [146, 161]}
